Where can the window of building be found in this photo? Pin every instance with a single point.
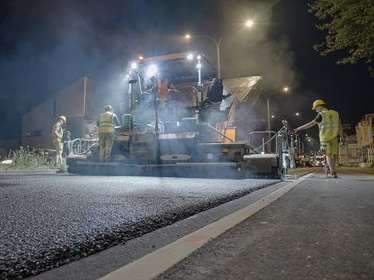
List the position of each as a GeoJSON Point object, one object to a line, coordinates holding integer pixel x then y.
{"type": "Point", "coordinates": [33, 133]}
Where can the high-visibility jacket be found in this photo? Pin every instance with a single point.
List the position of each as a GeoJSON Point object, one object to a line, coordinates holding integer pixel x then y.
{"type": "Point", "coordinates": [57, 131]}
{"type": "Point", "coordinates": [106, 122]}
{"type": "Point", "coordinates": [329, 126]}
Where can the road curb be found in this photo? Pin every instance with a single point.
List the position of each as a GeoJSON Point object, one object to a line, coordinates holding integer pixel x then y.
{"type": "Point", "coordinates": [153, 264]}
{"type": "Point", "coordinates": [26, 171]}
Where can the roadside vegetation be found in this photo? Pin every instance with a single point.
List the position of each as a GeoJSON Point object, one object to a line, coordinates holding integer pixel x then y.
{"type": "Point", "coordinates": [26, 158]}
{"type": "Point", "coordinates": [349, 30]}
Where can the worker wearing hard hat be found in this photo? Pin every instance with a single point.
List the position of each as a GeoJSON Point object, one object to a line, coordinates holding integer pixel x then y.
{"type": "Point", "coordinates": [329, 130]}
{"type": "Point", "coordinates": [57, 135]}
{"type": "Point", "coordinates": [107, 122]}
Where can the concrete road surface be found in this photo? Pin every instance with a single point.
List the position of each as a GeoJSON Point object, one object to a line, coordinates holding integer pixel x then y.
{"type": "Point", "coordinates": [318, 228]}
{"type": "Point", "coordinates": [321, 229]}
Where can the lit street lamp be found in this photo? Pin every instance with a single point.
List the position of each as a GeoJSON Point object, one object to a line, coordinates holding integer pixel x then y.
{"type": "Point", "coordinates": [249, 23]}
{"type": "Point", "coordinates": [284, 90]}
{"type": "Point", "coordinates": [217, 43]}
{"type": "Point", "coordinates": [218, 52]}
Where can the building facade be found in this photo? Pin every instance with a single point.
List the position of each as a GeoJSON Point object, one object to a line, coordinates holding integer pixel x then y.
{"type": "Point", "coordinates": [75, 102]}
{"type": "Point", "coordinates": [365, 140]}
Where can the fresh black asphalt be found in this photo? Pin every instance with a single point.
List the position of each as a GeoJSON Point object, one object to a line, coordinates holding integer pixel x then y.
{"type": "Point", "coordinates": [48, 220]}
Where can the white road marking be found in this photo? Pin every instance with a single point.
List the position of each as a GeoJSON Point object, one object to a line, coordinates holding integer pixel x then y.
{"type": "Point", "coordinates": [153, 264]}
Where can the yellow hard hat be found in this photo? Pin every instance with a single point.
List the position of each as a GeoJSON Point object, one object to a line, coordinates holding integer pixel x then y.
{"type": "Point", "coordinates": [108, 108]}
{"type": "Point", "coordinates": [318, 102]}
{"type": "Point", "coordinates": [63, 118]}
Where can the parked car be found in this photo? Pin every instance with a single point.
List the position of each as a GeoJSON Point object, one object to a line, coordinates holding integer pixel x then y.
{"type": "Point", "coordinates": [318, 161]}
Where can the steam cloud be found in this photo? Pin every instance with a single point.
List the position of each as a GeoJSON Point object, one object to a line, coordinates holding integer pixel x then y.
{"type": "Point", "coordinates": [46, 45]}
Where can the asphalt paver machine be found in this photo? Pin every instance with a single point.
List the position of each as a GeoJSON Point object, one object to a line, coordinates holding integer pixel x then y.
{"type": "Point", "coordinates": [187, 134]}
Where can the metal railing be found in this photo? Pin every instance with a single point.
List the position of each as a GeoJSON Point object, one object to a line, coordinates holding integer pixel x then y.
{"type": "Point", "coordinates": [81, 146]}
{"type": "Point", "coordinates": [284, 147]}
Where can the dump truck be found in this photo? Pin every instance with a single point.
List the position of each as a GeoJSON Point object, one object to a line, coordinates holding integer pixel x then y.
{"type": "Point", "coordinates": [193, 132]}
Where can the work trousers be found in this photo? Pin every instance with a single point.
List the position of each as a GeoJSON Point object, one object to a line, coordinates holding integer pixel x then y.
{"type": "Point", "coordinates": [105, 145]}
{"type": "Point", "coordinates": [331, 146]}
{"type": "Point", "coordinates": [58, 145]}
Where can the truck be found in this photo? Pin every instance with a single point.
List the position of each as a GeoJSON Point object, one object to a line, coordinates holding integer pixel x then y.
{"type": "Point", "coordinates": [191, 133]}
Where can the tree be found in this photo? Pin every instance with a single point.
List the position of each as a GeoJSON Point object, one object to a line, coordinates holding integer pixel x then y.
{"type": "Point", "coordinates": [350, 30]}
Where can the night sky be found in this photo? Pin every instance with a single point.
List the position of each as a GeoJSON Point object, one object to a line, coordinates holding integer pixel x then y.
{"type": "Point", "coordinates": [46, 45]}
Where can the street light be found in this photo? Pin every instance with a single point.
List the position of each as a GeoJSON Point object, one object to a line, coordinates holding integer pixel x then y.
{"type": "Point", "coordinates": [249, 23]}
{"type": "Point", "coordinates": [217, 43]}
{"type": "Point", "coordinates": [284, 90]}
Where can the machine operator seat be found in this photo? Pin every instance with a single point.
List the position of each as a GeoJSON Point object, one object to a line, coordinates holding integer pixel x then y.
{"type": "Point", "coordinates": [215, 92]}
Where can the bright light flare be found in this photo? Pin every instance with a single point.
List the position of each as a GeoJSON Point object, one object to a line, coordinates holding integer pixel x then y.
{"type": "Point", "coordinates": [134, 66]}
{"type": "Point", "coordinates": [187, 36]}
{"type": "Point", "coordinates": [249, 23]}
{"type": "Point", "coordinates": [152, 71]}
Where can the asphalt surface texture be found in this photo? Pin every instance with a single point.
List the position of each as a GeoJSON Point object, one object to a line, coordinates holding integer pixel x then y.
{"type": "Point", "coordinates": [49, 219]}
{"type": "Point", "coordinates": [323, 228]}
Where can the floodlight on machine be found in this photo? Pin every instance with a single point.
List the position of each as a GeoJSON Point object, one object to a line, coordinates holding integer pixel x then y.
{"type": "Point", "coordinates": [190, 56]}
{"type": "Point", "coordinates": [134, 66]}
{"type": "Point", "coordinates": [132, 75]}
{"type": "Point", "coordinates": [152, 71]}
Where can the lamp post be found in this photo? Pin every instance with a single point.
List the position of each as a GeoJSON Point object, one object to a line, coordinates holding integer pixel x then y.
{"type": "Point", "coordinates": [217, 43]}
{"type": "Point", "coordinates": [284, 90]}
{"type": "Point", "coordinates": [268, 112]}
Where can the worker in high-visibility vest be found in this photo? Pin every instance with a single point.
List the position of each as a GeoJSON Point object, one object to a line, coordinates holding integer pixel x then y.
{"type": "Point", "coordinates": [163, 86]}
{"type": "Point", "coordinates": [107, 122]}
{"type": "Point", "coordinates": [329, 130]}
{"type": "Point", "coordinates": [57, 138]}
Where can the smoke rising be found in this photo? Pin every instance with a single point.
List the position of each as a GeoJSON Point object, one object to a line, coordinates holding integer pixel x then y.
{"type": "Point", "coordinates": [46, 45]}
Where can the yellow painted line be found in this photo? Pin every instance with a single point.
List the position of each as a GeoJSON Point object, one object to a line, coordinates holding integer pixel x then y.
{"type": "Point", "coordinates": [153, 264]}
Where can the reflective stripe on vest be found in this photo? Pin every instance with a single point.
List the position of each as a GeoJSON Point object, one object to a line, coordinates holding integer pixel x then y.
{"type": "Point", "coordinates": [106, 124]}
{"type": "Point", "coordinates": [329, 126]}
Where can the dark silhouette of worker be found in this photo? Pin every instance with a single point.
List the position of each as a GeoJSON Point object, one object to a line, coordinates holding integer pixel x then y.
{"type": "Point", "coordinates": [163, 86]}
{"type": "Point", "coordinates": [215, 91]}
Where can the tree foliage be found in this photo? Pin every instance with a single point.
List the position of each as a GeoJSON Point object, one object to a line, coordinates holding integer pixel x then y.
{"type": "Point", "coordinates": [349, 25]}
